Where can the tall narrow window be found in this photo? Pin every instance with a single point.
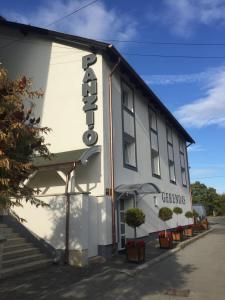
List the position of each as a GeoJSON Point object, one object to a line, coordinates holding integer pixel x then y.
{"type": "Point", "coordinates": [170, 151]}
{"type": "Point", "coordinates": [129, 134]}
{"type": "Point", "coordinates": [182, 163]}
{"type": "Point", "coordinates": [154, 143]}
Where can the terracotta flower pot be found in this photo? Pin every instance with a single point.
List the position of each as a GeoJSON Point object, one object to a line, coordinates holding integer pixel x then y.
{"type": "Point", "coordinates": [165, 241]}
{"type": "Point", "coordinates": [205, 224]}
{"type": "Point", "coordinates": [177, 236]}
{"type": "Point", "coordinates": [188, 232]}
{"type": "Point", "coordinates": [197, 227]}
{"type": "Point", "coordinates": [135, 251]}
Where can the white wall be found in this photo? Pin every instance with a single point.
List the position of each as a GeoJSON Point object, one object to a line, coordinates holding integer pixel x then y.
{"type": "Point", "coordinates": [144, 172]}
{"type": "Point", "coordinates": [46, 222]}
{"type": "Point", "coordinates": [57, 70]}
{"type": "Point", "coordinates": [49, 222]}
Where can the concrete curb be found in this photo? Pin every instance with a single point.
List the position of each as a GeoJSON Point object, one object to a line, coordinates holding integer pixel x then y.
{"type": "Point", "coordinates": [165, 255]}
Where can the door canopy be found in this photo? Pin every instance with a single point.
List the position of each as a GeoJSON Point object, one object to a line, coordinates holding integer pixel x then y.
{"type": "Point", "coordinates": [138, 189]}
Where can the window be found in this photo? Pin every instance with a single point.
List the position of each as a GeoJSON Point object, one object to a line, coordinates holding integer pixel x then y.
{"type": "Point", "coordinates": [182, 163]}
{"type": "Point", "coordinates": [154, 143]}
{"type": "Point", "coordinates": [129, 133]}
{"type": "Point", "coordinates": [169, 134]}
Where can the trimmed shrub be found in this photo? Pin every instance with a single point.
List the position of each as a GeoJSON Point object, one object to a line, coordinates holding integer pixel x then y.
{"type": "Point", "coordinates": [165, 214]}
{"type": "Point", "coordinates": [177, 210]}
{"type": "Point", "coordinates": [134, 217]}
{"type": "Point", "coordinates": [189, 214]}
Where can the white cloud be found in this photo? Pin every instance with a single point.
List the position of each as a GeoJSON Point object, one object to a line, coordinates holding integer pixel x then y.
{"type": "Point", "coordinates": [183, 15]}
{"type": "Point", "coordinates": [207, 110]}
{"type": "Point", "coordinates": [95, 21]}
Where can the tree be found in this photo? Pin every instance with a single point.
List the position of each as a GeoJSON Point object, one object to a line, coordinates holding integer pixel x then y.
{"type": "Point", "coordinates": [165, 214]}
{"type": "Point", "coordinates": [134, 217]}
{"type": "Point", "coordinates": [207, 196]}
{"type": "Point", "coordinates": [189, 215]}
{"type": "Point", "coordinates": [21, 140]}
{"type": "Point", "coordinates": [195, 215]}
{"type": "Point", "coordinates": [178, 211]}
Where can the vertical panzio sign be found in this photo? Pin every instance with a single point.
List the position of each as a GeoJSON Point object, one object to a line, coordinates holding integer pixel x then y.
{"type": "Point", "coordinates": [89, 93]}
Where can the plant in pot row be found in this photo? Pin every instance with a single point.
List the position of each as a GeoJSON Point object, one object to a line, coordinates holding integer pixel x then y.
{"type": "Point", "coordinates": [199, 225]}
{"type": "Point", "coordinates": [189, 230]}
{"type": "Point", "coordinates": [178, 233]}
{"type": "Point", "coordinates": [165, 238]}
{"type": "Point", "coordinates": [135, 248]}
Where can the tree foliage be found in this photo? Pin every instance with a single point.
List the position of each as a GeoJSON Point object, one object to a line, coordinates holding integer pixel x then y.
{"type": "Point", "coordinates": [134, 217]}
{"type": "Point", "coordinates": [177, 210]}
{"type": "Point", "coordinates": [189, 214]}
{"type": "Point", "coordinates": [195, 214]}
{"type": "Point", "coordinates": [213, 202]}
{"type": "Point", "coordinates": [21, 139]}
{"type": "Point", "coordinates": [165, 214]}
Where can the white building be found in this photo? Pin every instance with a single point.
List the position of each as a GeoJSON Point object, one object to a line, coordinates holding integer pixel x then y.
{"type": "Point", "coordinates": [110, 132]}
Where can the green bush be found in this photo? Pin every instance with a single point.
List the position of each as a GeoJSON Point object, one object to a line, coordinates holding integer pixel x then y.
{"type": "Point", "coordinates": [189, 214]}
{"type": "Point", "coordinates": [134, 217]}
{"type": "Point", "coordinates": [195, 214]}
{"type": "Point", "coordinates": [177, 210]}
{"type": "Point", "coordinates": [165, 213]}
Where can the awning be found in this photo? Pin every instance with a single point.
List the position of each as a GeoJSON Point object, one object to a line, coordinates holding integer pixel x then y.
{"type": "Point", "coordinates": [68, 158]}
{"type": "Point", "coordinates": [140, 189]}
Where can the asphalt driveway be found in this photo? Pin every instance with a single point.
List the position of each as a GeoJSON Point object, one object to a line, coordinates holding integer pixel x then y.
{"type": "Point", "coordinates": [196, 272]}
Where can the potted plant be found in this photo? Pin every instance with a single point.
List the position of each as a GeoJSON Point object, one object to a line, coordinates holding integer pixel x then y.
{"type": "Point", "coordinates": [178, 233]}
{"type": "Point", "coordinates": [134, 217]}
{"type": "Point", "coordinates": [189, 230]}
{"type": "Point", "coordinates": [205, 224]}
{"type": "Point", "coordinates": [195, 216]}
{"type": "Point", "coordinates": [197, 225]}
{"type": "Point", "coordinates": [165, 238]}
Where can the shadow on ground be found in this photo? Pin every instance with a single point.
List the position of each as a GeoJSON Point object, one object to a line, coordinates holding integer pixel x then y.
{"type": "Point", "coordinates": [106, 283]}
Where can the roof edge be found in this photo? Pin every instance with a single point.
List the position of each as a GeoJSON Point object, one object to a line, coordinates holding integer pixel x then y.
{"type": "Point", "coordinates": [94, 45]}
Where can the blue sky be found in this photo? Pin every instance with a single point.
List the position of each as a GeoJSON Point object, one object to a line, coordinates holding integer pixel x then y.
{"type": "Point", "coordinates": [193, 89]}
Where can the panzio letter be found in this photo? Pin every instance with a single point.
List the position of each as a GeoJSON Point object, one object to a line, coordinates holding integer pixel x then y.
{"type": "Point", "coordinates": [89, 93]}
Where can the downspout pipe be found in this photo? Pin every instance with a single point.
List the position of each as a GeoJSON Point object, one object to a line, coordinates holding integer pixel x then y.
{"type": "Point", "coordinates": [111, 154]}
{"type": "Point", "coordinates": [188, 170]}
{"type": "Point", "coordinates": [67, 229]}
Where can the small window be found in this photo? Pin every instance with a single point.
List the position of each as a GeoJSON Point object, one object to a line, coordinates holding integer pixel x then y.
{"type": "Point", "coordinates": [129, 153]}
{"type": "Point", "coordinates": [182, 163]}
{"type": "Point", "coordinates": [171, 163]}
{"type": "Point", "coordinates": [154, 143]}
{"type": "Point", "coordinates": [127, 97]}
{"type": "Point", "coordinates": [155, 163]}
{"type": "Point", "coordinates": [153, 120]}
{"type": "Point", "coordinates": [128, 121]}
{"type": "Point", "coordinates": [129, 134]}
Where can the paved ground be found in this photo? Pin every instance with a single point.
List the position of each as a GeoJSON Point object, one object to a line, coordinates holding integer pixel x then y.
{"type": "Point", "coordinates": [198, 272]}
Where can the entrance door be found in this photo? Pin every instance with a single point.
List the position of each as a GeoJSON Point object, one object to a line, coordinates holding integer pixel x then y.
{"type": "Point", "coordinates": [125, 202]}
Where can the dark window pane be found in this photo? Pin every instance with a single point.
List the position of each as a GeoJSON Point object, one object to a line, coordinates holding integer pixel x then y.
{"type": "Point", "coordinates": [153, 119]}
{"type": "Point", "coordinates": [122, 242]}
{"type": "Point", "coordinates": [122, 228]}
{"type": "Point", "coordinates": [127, 97]}
{"type": "Point", "coordinates": [121, 204]}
